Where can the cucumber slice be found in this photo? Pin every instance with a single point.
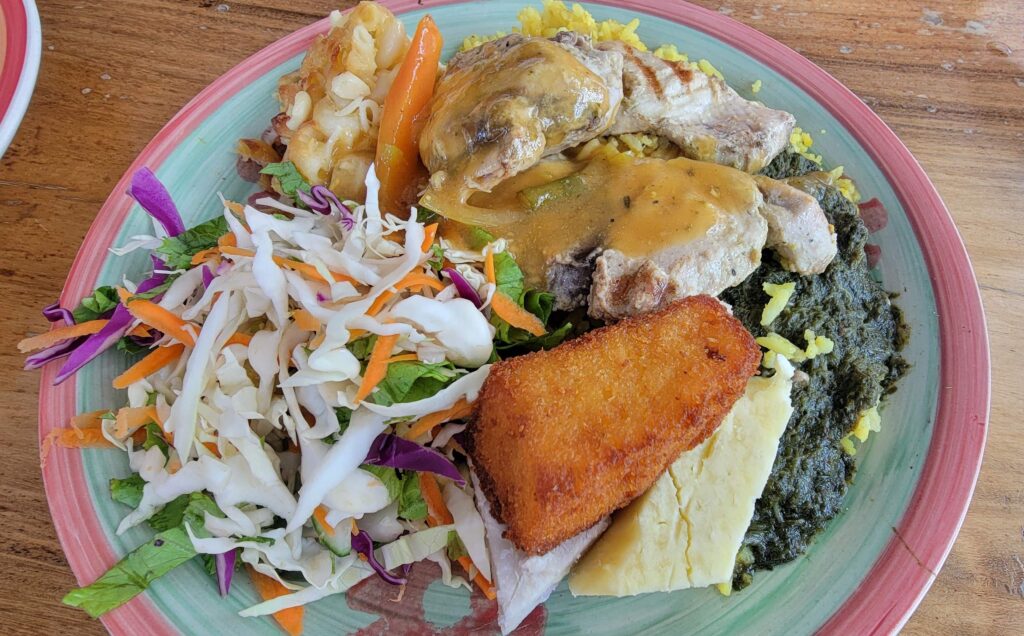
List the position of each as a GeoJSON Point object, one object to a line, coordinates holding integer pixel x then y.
{"type": "Point", "coordinates": [340, 543]}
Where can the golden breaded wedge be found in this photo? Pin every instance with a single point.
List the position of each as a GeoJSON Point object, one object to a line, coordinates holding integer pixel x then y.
{"type": "Point", "coordinates": [562, 438]}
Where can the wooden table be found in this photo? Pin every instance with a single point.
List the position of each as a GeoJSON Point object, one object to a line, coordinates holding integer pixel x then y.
{"type": "Point", "coordinates": [947, 76]}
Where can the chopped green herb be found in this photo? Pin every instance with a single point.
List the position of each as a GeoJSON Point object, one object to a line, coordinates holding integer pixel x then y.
{"type": "Point", "coordinates": [155, 437]}
{"type": "Point", "coordinates": [127, 491]}
{"type": "Point", "coordinates": [177, 251]}
{"type": "Point", "coordinates": [288, 176]}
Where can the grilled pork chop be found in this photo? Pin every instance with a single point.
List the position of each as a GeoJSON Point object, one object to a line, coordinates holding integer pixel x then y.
{"type": "Point", "coordinates": [706, 118]}
{"type": "Point", "coordinates": [798, 230]}
{"type": "Point", "coordinates": [627, 285]}
{"type": "Point", "coordinates": [503, 105]}
{"type": "Point", "coordinates": [773, 214]}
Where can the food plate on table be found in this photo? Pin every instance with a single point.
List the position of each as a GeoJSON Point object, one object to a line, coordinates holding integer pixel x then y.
{"type": "Point", "coordinates": [441, 438]}
{"type": "Point", "coordinates": [20, 47]}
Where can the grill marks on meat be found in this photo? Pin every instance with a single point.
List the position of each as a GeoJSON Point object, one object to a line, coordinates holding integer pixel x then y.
{"type": "Point", "coordinates": [702, 115]}
{"type": "Point", "coordinates": [500, 107]}
{"type": "Point", "coordinates": [562, 438]}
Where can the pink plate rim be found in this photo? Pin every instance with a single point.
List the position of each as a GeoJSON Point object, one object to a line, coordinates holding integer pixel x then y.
{"type": "Point", "coordinates": [20, 50]}
{"type": "Point", "coordinates": [907, 566]}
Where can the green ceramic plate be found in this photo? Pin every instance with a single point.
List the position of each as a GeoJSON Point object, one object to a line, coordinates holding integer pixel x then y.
{"type": "Point", "coordinates": [864, 574]}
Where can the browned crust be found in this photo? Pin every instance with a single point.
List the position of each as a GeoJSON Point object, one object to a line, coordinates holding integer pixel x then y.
{"type": "Point", "coordinates": [563, 438]}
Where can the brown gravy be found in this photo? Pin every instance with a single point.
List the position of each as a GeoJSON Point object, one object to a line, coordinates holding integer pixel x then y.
{"type": "Point", "coordinates": [637, 206]}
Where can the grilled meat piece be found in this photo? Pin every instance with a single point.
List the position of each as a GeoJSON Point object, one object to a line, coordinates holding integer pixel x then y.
{"type": "Point", "coordinates": [562, 438]}
{"type": "Point", "coordinates": [706, 118]}
{"type": "Point", "coordinates": [724, 256]}
{"type": "Point", "coordinates": [503, 105]}
{"type": "Point", "coordinates": [798, 230]}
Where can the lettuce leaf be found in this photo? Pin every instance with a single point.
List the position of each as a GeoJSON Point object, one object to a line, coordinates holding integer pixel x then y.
{"type": "Point", "coordinates": [97, 305]}
{"type": "Point", "coordinates": [155, 437]}
{"type": "Point", "coordinates": [387, 475]}
{"type": "Point", "coordinates": [170, 548]}
{"type": "Point", "coordinates": [456, 549]}
{"type": "Point", "coordinates": [362, 347]}
{"type": "Point", "coordinates": [177, 251]}
{"type": "Point", "coordinates": [133, 574]}
{"type": "Point", "coordinates": [403, 487]}
{"type": "Point", "coordinates": [127, 491]}
{"type": "Point", "coordinates": [411, 504]}
{"type": "Point", "coordinates": [508, 277]}
{"type": "Point", "coordinates": [510, 281]}
{"type": "Point", "coordinates": [412, 381]}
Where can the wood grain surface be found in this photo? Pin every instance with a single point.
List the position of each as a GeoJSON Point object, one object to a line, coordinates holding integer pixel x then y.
{"type": "Point", "coordinates": [947, 76]}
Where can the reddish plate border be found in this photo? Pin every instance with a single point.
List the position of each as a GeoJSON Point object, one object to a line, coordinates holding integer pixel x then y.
{"type": "Point", "coordinates": [13, 43]}
{"type": "Point", "coordinates": [906, 568]}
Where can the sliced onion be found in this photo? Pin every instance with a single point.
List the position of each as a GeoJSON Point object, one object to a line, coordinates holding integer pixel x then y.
{"type": "Point", "coordinates": [207, 276]}
{"type": "Point", "coordinates": [225, 568]}
{"type": "Point", "coordinates": [111, 332]}
{"type": "Point", "coordinates": [156, 200]}
{"type": "Point", "coordinates": [362, 543]}
{"type": "Point", "coordinates": [63, 348]}
{"type": "Point", "coordinates": [395, 452]}
{"type": "Point", "coordinates": [55, 313]}
{"type": "Point", "coordinates": [462, 286]}
{"type": "Point", "coordinates": [321, 199]}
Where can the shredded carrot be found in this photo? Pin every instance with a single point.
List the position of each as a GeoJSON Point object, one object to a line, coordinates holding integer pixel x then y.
{"type": "Point", "coordinates": [72, 438]}
{"type": "Point", "coordinates": [234, 206]}
{"type": "Point", "coordinates": [153, 362]}
{"type": "Point", "coordinates": [377, 367]}
{"type": "Point", "coordinates": [410, 279]}
{"type": "Point", "coordinates": [289, 619]}
{"type": "Point", "coordinates": [429, 232]}
{"type": "Point", "coordinates": [307, 270]}
{"type": "Point", "coordinates": [419, 278]}
{"type": "Point", "coordinates": [438, 515]}
{"type": "Point", "coordinates": [204, 255]}
{"type": "Point", "coordinates": [141, 331]}
{"type": "Point", "coordinates": [515, 315]}
{"type": "Point", "coordinates": [320, 514]}
{"type": "Point", "coordinates": [405, 357]}
{"type": "Point", "coordinates": [131, 418]}
{"type": "Point", "coordinates": [238, 338]}
{"type": "Point", "coordinates": [212, 447]}
{"type": "Point", "coordinates": [92, 419]}
{"type": "Point", "coordinates": [318, 340]}
{"type": "Point", "coordinates": [227, 240]}
{"type": "Point", "coordinates": [305, 320]}
{"type": "Point", "coordinates": [489, 268]}
{"type": "Point", "coordinates": [485, 586]}
{"type": "Point", "coordinates": [54, 336]}
{"type": "Point", "coordinates": [425, 424]}
{"type": "Point", "coordinates": [68, 332]}
{"type": "Point", "coordinates": [159, 318]}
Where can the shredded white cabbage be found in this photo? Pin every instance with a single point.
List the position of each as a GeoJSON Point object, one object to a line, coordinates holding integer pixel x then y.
{"type": "Point", "coordinates": [415, 547]}
{"type": "Point", "coordinates": [264, 404]}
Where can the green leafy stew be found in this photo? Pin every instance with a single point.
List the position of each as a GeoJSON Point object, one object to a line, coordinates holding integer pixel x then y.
{"type": "Point", "coordinates": [812, 471]}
